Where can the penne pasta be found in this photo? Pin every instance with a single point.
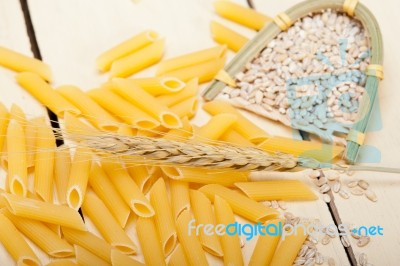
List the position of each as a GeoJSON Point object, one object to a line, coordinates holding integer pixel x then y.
{"type": "Point", "coordinates": [225, 36]}
{"type": "Point", "coordinates": [61, 262]}
{"type": "Point", "coordinates": [107, 225]}
{"type": "Point", "coordinates": [44, 162]}
{"type": "Point", "coordinates": [266, 244]}
{"type": "Point", "coordinates": [187, 60]}
{"type": "Point", "coordinates": [189, 241]}
{"type": "Point", "coordinates": [180, 199]}
{"type": "Point", "coordinates": [142, 177]}
{"type": "Point", "coordinates": [204, 214]}
{"type": "Point", "coordinates": [159, 85]}
{"type": "Point", "coordinates": [230, 243]}
{"type": "Point", "coordinates": [163, 218]}
{"type": "Point", "coordinates": [232, 136]}
{"type": "Point", "coordinates": [15, 244]}
{"type": "Point", "coordinates": [86, 258]}
{"type": "Point", "coordinates": [186, 108]}
{"type": "Point", "coordinates": [21, 63]}
{"type": "Point", "coordinates": [4, 118]}
{"type": "Point", "coordinates": [243, 15]}
{"type": "Point", "coordinates": [150, 242]}
{"type": "Point", "coordinates": [127, 188]}
{"type": "Point", "coordinates": [104, 189]}
{"type": "Point", "coordinates": [182, 133]}
{"type": "Point", "coordinates": [240, 204]}
{"type": "Point", "coordinates": [18, 115]}
{"type": "Point", "coordinates": [123, 109]}
{"type": "Point", "coordinates": [215, 127]}
{"type": "Point", "coordinates": [41, 235]}
{"type": "Point", "coordinates": [138, 60]}
{"type": "Point", "coordinates": [120, 259]}
{"type": "Point", "coordinates": [43, 211]}
{"type": "Point", "coordinates": [55, 228]}
{"type": "Point", "coordinates": [126, 130]}
{"type": "Point", "coordinates": [146, 102]}
{"type": "Point", "coordinates": [45, 94]}
{"type": "Point", "coordinates": [77, 127]}
{"type": "Point", "coordinates": [62, 168]}
{"type": "Point", "coordinates": [31, 130]}
{"type": "Point", "coordinates": [177, 257]}
{"type": "Point", "coordinates": [243, 126]}
{"type": "Point", "coordinates": [92, 111]}
{"type": "Point", "coordinates": [189, 91]}
{"type": "Point", "coordinates": [78, 177]}
{"type": "Point", "coordinates": [17, 164]}
{"type": "Point", "coordinates": [277, 190]}
{"type": "Point", "coordinates": [133, 44]}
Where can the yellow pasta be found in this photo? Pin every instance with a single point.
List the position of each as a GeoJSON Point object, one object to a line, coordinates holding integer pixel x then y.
{"type": "Point", "coordinates": [243, 126]}
{"type": "Point", "coordinates": [127, 130]}
{"type": "Point", "coordinates": [107, 225]}
{"type": "Point", "coordinates": [177, 257]}
{"type": "Point", "coordinates": [124, 110]}
{"type": "Point", "coordinates": [105, 190]}
{"type": "Point", "coordinates": [44, 162]}
{"type": "Point", "coordinates": [86, 258]}
{"type": "Point", "coordinates": [18, 115]}
{"type": "Point", "coordinates": [77, 127]}
{"type": "Point", "coordinates": [17, 165]}
{"type": "Point", "coordinates": [243, 15]}
{"type": "Point", "coordinates": [277, 190]}
{"type": "Point", "coordinates": [4, 118]}
{"type": "Point", "coordinates": [120, 259]}
{"type": "Point", "coordinates": [266, 244]}
{"type": "Point", "coordinates": [226, 36]}
{"type": "Point", "coordinates": [61, 262]}
{"type": "Point", "coordinates": [127, 188]}
{"type": "Point", "coordinates": [142, 177]}
{"type": "Point", "coordinates": [308, 149]}
{"type": "Point", "coordinates": [216, 126]}
{"type": "Point", "coordinates": [62, 168]}
{"type": "Point", "coordinates": [163, 218]}
{"type": "Point", "coordinates": [43, 211]}
{"type": "Point", "coordinates": [232, 136]}
{"type": "Point", "coordinates": [15, 244]}
{"type": "Point", "coordinates": [189, 91]}
{"type": "Point", "coordinates": [149, 241]}
{"type": "Point", "coordinates": [186, 108]}
{"type": "Point", "coordinates": [289, 247]}
{"type": "Point", "coordinates": [204, 215]}
{"type": "Point", "coordinates": [180, 199]}
{"type": "Point", "coordinates": [21, 63]}
{"type": "Point", "coordinates": [240, 204]}
{"type": "Point", "coordinates": [137, 42]}
{"type": "Point", "coordinates": [187, 60]}
{"type": "Point", "coordinates": [147, 103]}
{"type": "Point", "coordinates": [41, 235]}
{"type": "Point", "coordinates": [31, 129]}
{"type": "Point", "coordinates": [159, 85]}
{"type": "Point", "coordinates": [138, 60]}
{"type": "Point", "coordinates": [182, 133]}
{"type": "Point", "coordinates": [230, 243]}
{"type": "Point", "coordinates": [189, 241]}
{"type": "Point", "coordinates": [78, 177]}
{"type": "Point", "coordinates": [55, 228]}
{"type": "Point", "coordinates": [45, 94]}
{"type": "Point", "coordinates": [94, 113]}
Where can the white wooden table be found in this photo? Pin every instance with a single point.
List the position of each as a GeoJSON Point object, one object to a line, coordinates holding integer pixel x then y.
{"type": "Point", "coordinates": [71, 33]}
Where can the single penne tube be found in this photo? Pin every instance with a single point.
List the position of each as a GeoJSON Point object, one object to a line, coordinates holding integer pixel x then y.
{"type": "Point", "coordinates": [122, 109]}
{"type": "Point", "coordinates": [104, 189]}
{"type": "Point", "coordinates": [133, 44]}
{"type": "Point", "coordinates": [204, 214]}
{"type": "Point", "coordinates": [62, 262]}
{"type": "Point", "coordinates": [215, 127]}
{"type": "Point", "coordinates": [62, 168]}
{"type": "Point", "coordinates": [277, 190]}
{"type": "Point", "coordinates": [243, 15]}
{"type": "Point", "coordinates": [43, 211]}
{"type": "Point", "coordinates": [31, 130]}
{"type": "Point", "coordinates": [139, 60]}
{"type": "Point", "coordinates": [127, 188]}
{"type": "Point", "coordinates": [289, 246]}
{"type": "Point", "coordinates": [180, 199]}
{"type": "Point", "coordinates": [41, 235]}
{"type": "Point", "coordinates": [230, 243]}
{"type": "Point", "coordinates": [45, 94]}
{"type": "Point", "coordinates": [266, 244]}
{"type": "Point", "coordinates": [127, 130]}
{"type": "Point", "coordinates": [182, 133]}
{"type": "Point", "coordinates": [150, 242]}
{"type": "Point", "coordinates": [89, 241]}
{"type": "Point", "coordinates": [78, 177]}
{"type": "Point", "coordinates": [191, 59]}
{"type": "Point", "coordinates": [141, 176]}
{"type": "Point", "coordinates": [15, 244]}
{"type": "Point", "coordinates": [90, 110]}
{"type": "Point", "coordinates": [205, 71]}
{"type": "Point", "coordinates": [189, 241]}
{"type": "Point", "coordinates": [120, 259]}
{"type": "Point", "coordinates": [189, 91]}
{"type": "Point", "coordinates": [86, 258]}
{"type": "Point", "coordinates": [55, 228]}
{"type": "Point", "coordinates": [225, 36]}
{"type": "Point", "coordinates": [146, 102]}
{"type": "Point", "coordinates": [107, 225]}
{"type": "Point", "coordinates": [159, 85]}
{"type": "Point", "coordinates": [4, 119]}
{"type": "Point", "coordinates": [21, 63]}
{"type": "Point", "coordinates": [232, 136]}
{"type": "Point", "coordinates": [44, 162]}
{"type": "Point", "coordinates": [163, 217]}
{"type": "Point", "coordinates": [18, 114]}
{"type": "Point", "coordinates": [177, 257]}
{"type": "Point", "coordinates": [186, 108]}
{"type": "Point", "coordinates": [16, 159]}
{"type": "Point", "coordinates": [76, 127]}
{"type": "Point", "coordinates": [240, 204]}
{"type": "Point", "coordinates": [243, 125]}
